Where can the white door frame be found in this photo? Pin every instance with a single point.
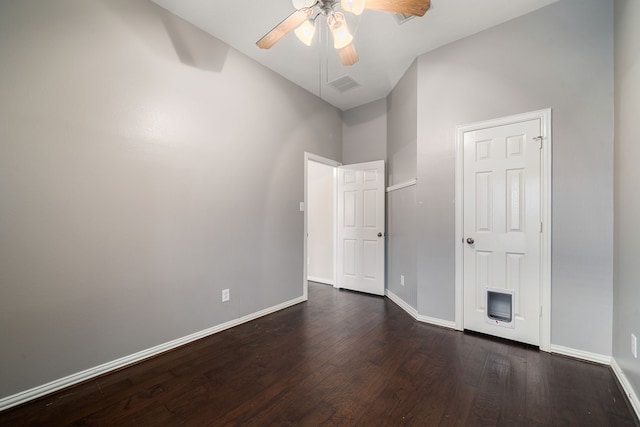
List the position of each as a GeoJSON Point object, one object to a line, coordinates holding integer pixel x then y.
{"type": "Point", "coordinates": [545, 215]}
{"type": "Point", "coordinates": [309, 157]}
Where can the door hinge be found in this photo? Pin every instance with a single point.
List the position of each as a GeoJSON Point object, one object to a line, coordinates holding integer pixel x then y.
{"type": "Point", "coordinates": [540, 311]}
{"type": "Point", "coordinates": [540, 226]}
{"type": "Point", "coordinates": [539, 140]}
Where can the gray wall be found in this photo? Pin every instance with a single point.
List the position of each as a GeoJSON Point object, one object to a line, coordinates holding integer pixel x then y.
{"type": "Point", "coordinates": [560, 57]}
{"type": "Point", "coordinates": [365, 133]}
{"type": "Point", "coordinates": [402, 128]}
{"type": "Point", "coordinates": [626, 291]}
{"type": "Point", "coordinates": [386, 129]}
{"type": "Point", "coordinates": [145, 166]}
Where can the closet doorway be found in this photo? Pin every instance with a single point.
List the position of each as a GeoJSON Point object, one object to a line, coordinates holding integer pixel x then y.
{"type": "Point", "coordinates": [321, 219]}
{"type": "Point", "coordinates": [344, 224]}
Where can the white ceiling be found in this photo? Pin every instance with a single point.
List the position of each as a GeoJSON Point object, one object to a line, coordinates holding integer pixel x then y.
{"type": "Point", "coordinates": [386, 49]}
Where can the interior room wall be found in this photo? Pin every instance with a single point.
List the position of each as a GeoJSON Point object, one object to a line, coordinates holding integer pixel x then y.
{"type": "Point", "coordinates": [558, 57]}
{"type": "Point", "coordinates": [626, 289]}
{"type": "Point", "coordinates": [145, 167]}
{"type": "Point", "coordinates": [365, 133]}
{"type": "Point", "coordinates": [321, 199]}
{"type": "Point", "coordinates": [402, 128]}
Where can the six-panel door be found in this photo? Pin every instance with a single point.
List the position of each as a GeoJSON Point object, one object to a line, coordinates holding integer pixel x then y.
{"type": "Point", "coordinates": [502, 219]}
{"type": "Point", "coordinates": [361, 227]}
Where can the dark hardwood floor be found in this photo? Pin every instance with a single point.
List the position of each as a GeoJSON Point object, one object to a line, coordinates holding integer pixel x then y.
{"type": "Point", "coordinates": [341, 359]}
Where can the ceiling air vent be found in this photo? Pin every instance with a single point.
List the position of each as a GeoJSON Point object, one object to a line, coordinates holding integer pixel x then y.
{"type": "Point", "coordinates": [344, 83]}
{"type": "Point", "coordinates": [401, 18]}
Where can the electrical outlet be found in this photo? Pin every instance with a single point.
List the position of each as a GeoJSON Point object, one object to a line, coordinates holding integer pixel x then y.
{"type": "Point", "coordinates": [634, 346]}
{"type": "Point", "coordinates": [225, 295]}
{"type": "Point", "coordinates": [402, 279]}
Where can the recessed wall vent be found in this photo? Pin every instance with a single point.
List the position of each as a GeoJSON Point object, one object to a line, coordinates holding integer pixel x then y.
{"type": "Point", "coordinates": [401, 18]}
{"type": "Point", "coordinates": [344, 83]}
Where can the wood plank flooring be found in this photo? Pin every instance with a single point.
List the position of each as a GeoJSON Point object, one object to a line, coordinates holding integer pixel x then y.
{"type": "Point", "coordinates": [341, 359]}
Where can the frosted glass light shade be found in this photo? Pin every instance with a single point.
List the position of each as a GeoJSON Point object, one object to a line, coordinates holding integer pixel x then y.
{"type": "Point", "coordinates": [354, 6]}
{"type": "Point", "coordinates": [305, 32]}
{"type": "Point", "coordinates": [341, 35]}
{"type": "Point", "coordinates": [299, 4]}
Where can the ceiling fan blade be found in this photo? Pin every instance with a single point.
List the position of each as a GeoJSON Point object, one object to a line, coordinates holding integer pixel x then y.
{"type": "Point", "coordinates": [281, 30]}
{"type": "Point", "coordinates": [348, 54]}
{"type": "Point", "coordinates": [407, 7]}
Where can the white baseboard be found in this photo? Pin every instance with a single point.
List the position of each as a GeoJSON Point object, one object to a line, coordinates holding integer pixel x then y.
{"type": "Point", "coordinates": [626, 386]}
{"type": "Point", "coordinates": [402, 304]}
{"type": "Point", "coordinates": [437, 322]}
{"type": "Point", "coordinates": [59, 384]}
{"type": "Point", "coordinates": [321, 280]}
{"type": "Point", "coordinates": [414, 313]}
{"type": "Point", "coordinates": [557, 349]}
{"type": "Point", "coordinates": [580, 354]}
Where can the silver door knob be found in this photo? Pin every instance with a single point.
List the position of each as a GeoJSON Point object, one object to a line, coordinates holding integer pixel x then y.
{"type": "Point", "coordinates": [470, 240]}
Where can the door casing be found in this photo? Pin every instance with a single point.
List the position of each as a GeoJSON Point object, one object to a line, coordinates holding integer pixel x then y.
{"type": "Point", "coordinates": [545, 214]}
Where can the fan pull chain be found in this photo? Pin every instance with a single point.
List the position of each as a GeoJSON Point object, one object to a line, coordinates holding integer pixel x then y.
{"type": "Point", "coordinates": [320, 63]}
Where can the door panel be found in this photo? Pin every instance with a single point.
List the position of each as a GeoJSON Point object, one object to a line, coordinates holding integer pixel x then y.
{"type": "Point", "coordinates": [515, 194]}
{"type": "Point", "coordinates": [349, 258]}
{"type": "Point", "coordinates": [349, 208]}
{"type": "Point", "coordinates": [361, 191]}
{"type": "Point", "coordinates": [484, 202]}
{"type": "Point", "coordinates": [370, 259]}
{"type": "Point", "coordinates": [502, 215]}
{"type": "Point", "coordinates": [484, 276]}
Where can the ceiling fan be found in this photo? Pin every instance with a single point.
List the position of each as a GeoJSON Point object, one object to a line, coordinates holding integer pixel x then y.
{"type": "Point", "coordinates": [304, 24]}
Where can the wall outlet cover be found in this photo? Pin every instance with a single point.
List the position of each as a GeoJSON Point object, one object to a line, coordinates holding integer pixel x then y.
{"type": "Point", "coordinates": [634, 345]}
{"type": "Point", "coordinates": [225, 295]}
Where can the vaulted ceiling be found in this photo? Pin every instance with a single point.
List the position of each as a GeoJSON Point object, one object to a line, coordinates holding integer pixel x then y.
{"type": "Point", "coordinates": [385, 46]}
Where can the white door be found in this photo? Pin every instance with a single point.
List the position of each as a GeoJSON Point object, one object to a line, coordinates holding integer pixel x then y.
{"type": "Point", "coordinates": [502, 231]}
{"type": "Point", "coordinates": [361, 231]}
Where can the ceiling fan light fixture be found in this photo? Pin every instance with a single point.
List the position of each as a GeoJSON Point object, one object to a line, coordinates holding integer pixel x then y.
{"type": "Point", "coordinates": [306, 31]}
{"type": "Point", "coordinates": [339, 29]}
{"type": "Point", "coordinates": [300, 4]}
{"type": "Point", "coordinates": [299, 21]}
{"type": "Point", "coordinates": [354, 6]}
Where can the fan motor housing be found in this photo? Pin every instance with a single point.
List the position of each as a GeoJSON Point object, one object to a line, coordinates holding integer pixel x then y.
{"type": "Point", "coordinates": [326, 6]}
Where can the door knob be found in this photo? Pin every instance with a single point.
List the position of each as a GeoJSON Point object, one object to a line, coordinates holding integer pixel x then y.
{"type": "Point", "coordinates": [470, 240]}
{"type": "Point", "coordinates": [379, 234]}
